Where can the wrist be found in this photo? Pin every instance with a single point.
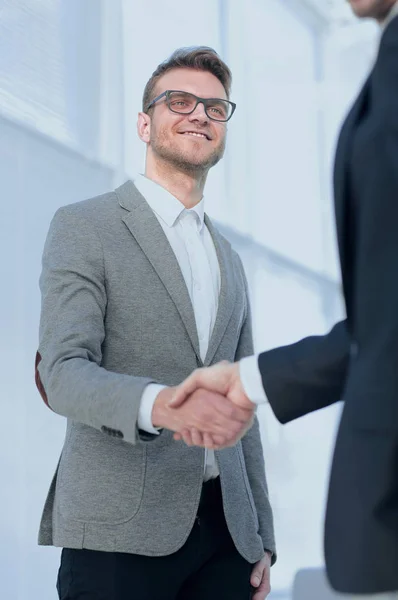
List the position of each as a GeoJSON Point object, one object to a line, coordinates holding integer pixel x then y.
{"type": "Point", "coordinates": [238, 393]}
{"type": "Point", "coordinates": [160, 410]}
{"type": "Point", "coordinates": [269, 555]}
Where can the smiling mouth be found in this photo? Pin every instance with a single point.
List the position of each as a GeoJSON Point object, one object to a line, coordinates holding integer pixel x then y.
{"type": "Point", "coordinates": [196, 134]}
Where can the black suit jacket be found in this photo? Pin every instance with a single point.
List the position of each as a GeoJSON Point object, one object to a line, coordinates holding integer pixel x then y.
{"type": "Point", "coordinates": [358, 360]}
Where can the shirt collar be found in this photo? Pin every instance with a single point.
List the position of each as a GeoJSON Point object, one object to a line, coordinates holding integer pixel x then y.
{"type": "Point", "coordinates": [164, 204]}
{"type": "Point", "coordinates": [391, 15]}
{"type": "Point", "coordinates": [199, 210]}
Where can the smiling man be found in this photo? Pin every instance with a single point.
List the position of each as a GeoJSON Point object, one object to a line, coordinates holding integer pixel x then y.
{"type": "Point", "coordinates": [138, 290]}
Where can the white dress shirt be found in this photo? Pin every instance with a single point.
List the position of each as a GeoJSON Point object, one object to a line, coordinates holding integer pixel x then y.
{"type": "Point", "coordinates": [248, 367]}
{"type": "Point", "coordinates": [193, 247]}
{"type": "Point", "coordinates": [250, 377]}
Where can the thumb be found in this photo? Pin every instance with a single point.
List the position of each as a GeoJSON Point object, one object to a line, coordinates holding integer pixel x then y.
{"type": "Point", "coordinates": [183, 391]}
{"type": "Point", "coordinates": [255, 579]}
{"type": "Point", "coordinates": [178, 399]}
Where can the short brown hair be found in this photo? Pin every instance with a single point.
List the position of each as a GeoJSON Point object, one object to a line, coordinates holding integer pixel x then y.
{"type": "Point", "coordinates": [201, 58]}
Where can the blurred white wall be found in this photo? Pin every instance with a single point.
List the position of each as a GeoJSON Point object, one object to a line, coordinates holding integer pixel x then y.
{"type": "Point", "coordinates": [71, 80]}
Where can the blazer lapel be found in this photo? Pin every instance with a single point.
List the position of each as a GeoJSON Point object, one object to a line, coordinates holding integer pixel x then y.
{"type": "Point", "coordinates": [228, 290]}
{"type": "Point", "coordinates": [341, 189]}
{"type": "Point", "coordinates": [149, 234]}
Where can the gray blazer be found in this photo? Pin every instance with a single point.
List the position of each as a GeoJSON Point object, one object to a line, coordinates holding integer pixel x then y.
{"type": "Point", "coordinates": [116, 315]}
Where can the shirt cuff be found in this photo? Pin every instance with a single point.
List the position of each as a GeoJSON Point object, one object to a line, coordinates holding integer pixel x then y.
{"type": "Point", "coordinates": [250, 377]}
{"type": "Point", "coordinates": [145, 412]}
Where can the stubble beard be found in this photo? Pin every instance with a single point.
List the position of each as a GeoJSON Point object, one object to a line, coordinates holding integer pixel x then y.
{"type": "Point", "coordinates": [176, 158]}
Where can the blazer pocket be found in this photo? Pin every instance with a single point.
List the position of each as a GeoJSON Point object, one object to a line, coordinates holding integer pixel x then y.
{"type": "Point", "coordinates": [247, 483]}
{"type": "Point", "coordinates": [100, 479]}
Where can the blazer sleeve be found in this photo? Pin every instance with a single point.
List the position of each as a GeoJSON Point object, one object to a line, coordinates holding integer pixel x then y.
{"type": "Point", "coordinates": [253, 450]}
{"type": "Point", "coordinates": [69, 373]}
{"type": "Point", "coordinates": [307, 375]}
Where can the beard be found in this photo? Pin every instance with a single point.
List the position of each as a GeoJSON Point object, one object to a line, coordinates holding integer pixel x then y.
{"type": "Point", "coordinates": [190, 162]}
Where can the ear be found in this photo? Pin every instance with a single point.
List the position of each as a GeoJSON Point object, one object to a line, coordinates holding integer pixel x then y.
{"type": "Point", "coordinates": [144, 127]}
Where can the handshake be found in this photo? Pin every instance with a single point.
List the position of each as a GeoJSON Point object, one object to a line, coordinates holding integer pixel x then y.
{"type": "Point", "coordinates": [209, 409]}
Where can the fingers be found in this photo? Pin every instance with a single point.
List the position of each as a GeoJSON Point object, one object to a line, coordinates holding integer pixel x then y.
{"type": "Point", "coordinates": [208, 442]}
{"type": "Point", "coordinates": [255, 579]}
{"type": "Point", "coordinates": [203, 440]}
{"type": "Point", "coordinates": [262, 591]}
{"type": "Point", "coordinates": [211, 442]}
{"type": "Point", "coordinates": [216, 414]}
{"type": "Point", "coordinates": [257, 574]}
{"type": "Point", "coordinates": [186, 437]}
{"type": "Point", "coordinates": [211, 413]}
{"type": "Point", "coordinates": [219, 441]}
{"type": "Point", "coordinates": [221, 433]}
{"type": "Point", "coordinates": [260, 580]}
{"type": "Point", "coordinates": [197, 438]}
{"type": "Point", "coordinates": [231, 411]}
{"type": "Point", "coordinates": [185, 389]}
{"type": "Point", "coordinates": [215, 378]}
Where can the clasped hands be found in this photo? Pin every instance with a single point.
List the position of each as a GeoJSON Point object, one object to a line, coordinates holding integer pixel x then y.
{"type": "Point", "coordinates": [209, 409]}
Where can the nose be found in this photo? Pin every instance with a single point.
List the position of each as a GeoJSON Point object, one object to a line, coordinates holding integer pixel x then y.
{"type": "Point", "coordinates": [199, 114]}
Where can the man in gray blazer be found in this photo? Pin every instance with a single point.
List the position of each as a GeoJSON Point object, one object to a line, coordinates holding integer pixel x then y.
{"type": "Point", "coordinates": [138, 290]}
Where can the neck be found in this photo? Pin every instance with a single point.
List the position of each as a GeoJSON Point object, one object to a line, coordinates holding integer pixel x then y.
{"type": "Point", "coordinates": [186, 187]}
{"type": "Point", "coordinates": [384, 15]}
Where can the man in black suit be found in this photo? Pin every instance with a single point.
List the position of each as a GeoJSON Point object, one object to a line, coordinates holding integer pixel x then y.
{"type": "Point", "coordinates": [358, 360]}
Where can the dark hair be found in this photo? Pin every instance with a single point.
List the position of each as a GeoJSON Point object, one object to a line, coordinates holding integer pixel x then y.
{"type": "Point", "coordinates": [201, 58]}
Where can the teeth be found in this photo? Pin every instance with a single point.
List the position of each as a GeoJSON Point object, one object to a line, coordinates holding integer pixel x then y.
{"type": "Point", "coordinates": [195, 134]}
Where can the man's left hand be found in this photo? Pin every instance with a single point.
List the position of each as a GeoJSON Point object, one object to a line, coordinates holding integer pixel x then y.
{"type": "Point", "coordinates": [260, 578]}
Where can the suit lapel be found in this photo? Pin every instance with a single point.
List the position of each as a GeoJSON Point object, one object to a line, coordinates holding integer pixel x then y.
{"type": "Point", "coordinates": [341, 167]}
{"type": "Point", "coordinates": [147, 231]}
{"type": "Point", "coordinates": [228, 290]}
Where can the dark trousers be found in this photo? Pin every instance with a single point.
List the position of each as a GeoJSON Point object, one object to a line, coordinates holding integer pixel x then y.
{"type": "Point", "coordinates": [207, 567]}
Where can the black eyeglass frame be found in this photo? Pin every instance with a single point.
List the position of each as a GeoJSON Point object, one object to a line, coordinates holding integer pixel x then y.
{"type": "Point", "coordinates": [204, 101]}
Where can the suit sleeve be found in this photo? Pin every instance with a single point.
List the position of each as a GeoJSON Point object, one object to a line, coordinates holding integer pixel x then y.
{"type": "Point", "coordinates": [74, 300]}
{"type": "Point", "coordinates": [306, 376]}
{"type": "Point", "coordinates": [253, 451]}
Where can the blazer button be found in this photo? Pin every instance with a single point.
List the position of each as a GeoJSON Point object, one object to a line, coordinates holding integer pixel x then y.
{"type": "Point", "coordinates": [354, 350]}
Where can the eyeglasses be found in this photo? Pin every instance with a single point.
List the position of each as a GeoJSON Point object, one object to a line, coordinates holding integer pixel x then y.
{"type": "Point", "coordinates": [185, 103]}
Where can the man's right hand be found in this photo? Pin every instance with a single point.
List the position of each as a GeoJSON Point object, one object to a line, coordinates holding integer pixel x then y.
{"type": "Point", "coordinates": [219, 421]}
